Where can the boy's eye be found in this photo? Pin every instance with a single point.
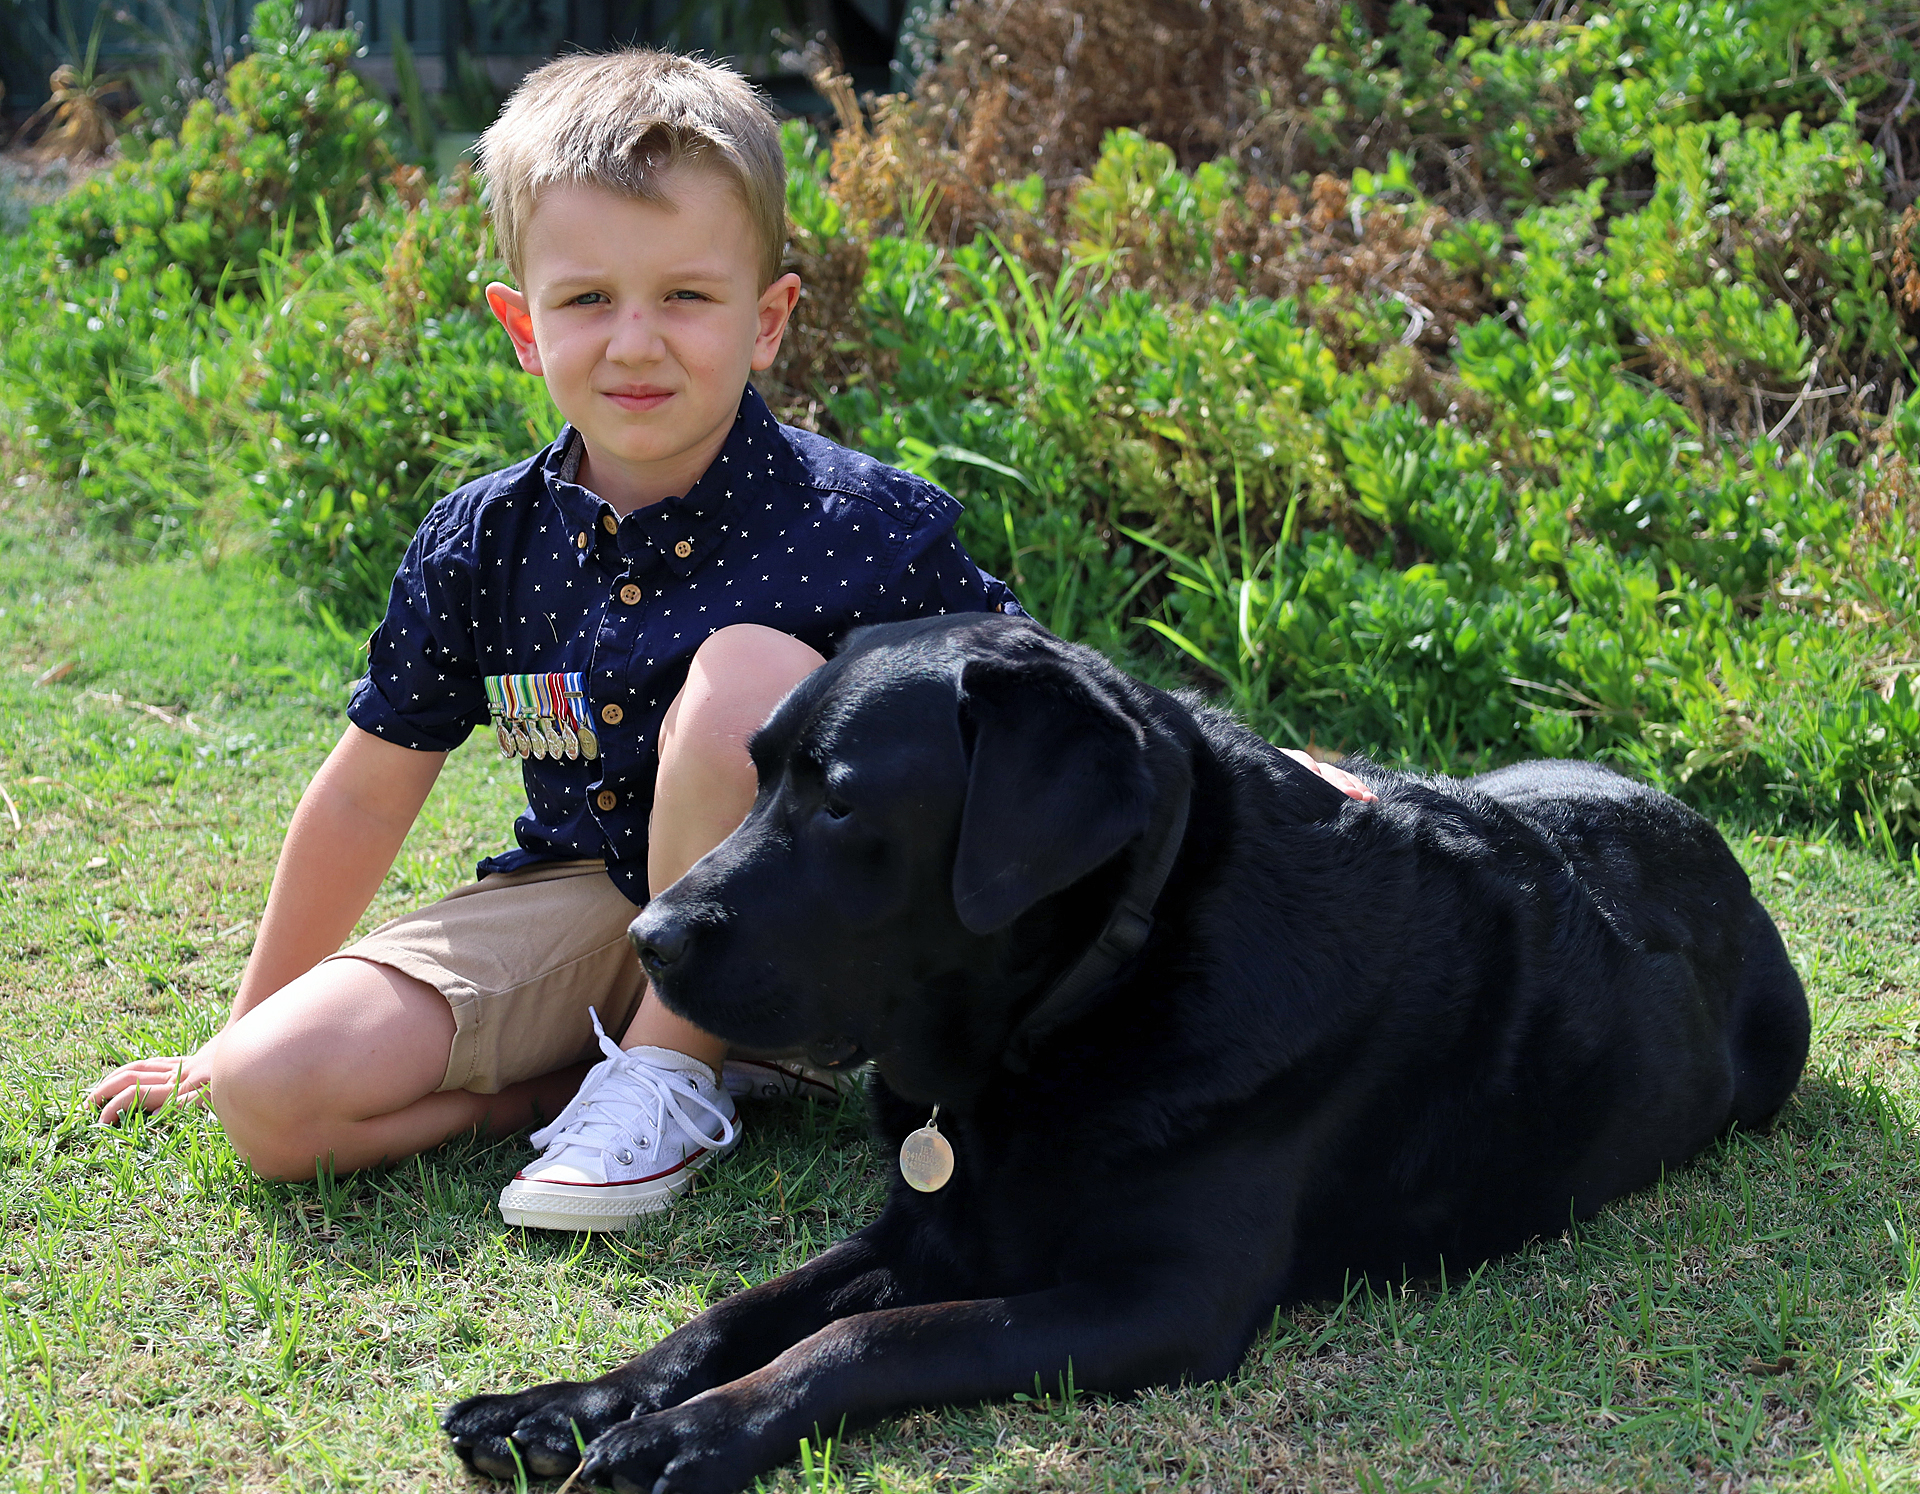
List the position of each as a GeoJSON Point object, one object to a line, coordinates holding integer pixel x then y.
{"type": "Point", "coordinates": [686, 296]}
{"type": "Point", "coordinates": [587, 298]}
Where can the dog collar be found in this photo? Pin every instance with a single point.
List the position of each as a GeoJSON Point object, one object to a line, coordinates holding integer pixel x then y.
{"type": "Point", "coordinates": [1126, 928]}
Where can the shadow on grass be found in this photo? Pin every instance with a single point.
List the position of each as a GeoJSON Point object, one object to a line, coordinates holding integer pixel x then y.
{"type": "Point", "coordinates": [803, 1176]}
{"type": "Point", "coordinates": [1735, 1321]}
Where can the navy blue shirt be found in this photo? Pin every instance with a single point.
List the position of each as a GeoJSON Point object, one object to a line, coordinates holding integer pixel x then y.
{"type": "Point", "coordinates": [526, 572]}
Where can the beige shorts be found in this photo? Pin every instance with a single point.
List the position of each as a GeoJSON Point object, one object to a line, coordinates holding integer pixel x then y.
{"type": "Point", "coordinates": [520, 956]}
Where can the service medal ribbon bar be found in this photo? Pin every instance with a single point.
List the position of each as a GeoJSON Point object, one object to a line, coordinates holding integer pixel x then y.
{"type": "Point", "coordinates": [541, 715]}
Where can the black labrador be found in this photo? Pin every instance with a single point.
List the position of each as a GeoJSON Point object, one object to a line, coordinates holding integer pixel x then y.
{"type": "Point", "coordinates": [1205, 1036]}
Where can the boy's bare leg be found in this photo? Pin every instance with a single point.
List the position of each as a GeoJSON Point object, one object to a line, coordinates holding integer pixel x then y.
{"type": "Point", "coordinates": [705, 785]}
{"type": "Point", "coordinates": [342, 1066]}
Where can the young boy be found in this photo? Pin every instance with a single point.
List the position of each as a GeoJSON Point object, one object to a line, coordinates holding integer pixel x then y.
{"type": "Point", "coordinates": [624, 609]}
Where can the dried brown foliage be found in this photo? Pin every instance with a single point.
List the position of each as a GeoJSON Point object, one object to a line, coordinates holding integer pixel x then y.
{"type": "Point", "coordinates": [1891, 503]}
{"type": "Point", "coordinates": [1033, 85]}
{"type": "Point", "coordinates": [821, 348]}
{"type": "Point", "coordinates": [1025, 86]}
{"type": "Point", "coordinates": [1906, 274]}
{"type": "Point", "coordinates": [84, 113]}
{"type": "Point", "coordinates": [1330, 258]}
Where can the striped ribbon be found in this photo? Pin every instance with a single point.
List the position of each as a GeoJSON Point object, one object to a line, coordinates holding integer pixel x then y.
{"type": "Point", "coordinates": [540, 715]}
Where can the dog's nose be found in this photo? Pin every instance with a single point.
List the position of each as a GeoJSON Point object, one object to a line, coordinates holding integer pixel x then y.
{"type": "Point", "coordinates": [659, 943]}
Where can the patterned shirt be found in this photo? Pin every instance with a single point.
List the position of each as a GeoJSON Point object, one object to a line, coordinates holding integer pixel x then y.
{"type": "Point", "coordinates": [525, 572]}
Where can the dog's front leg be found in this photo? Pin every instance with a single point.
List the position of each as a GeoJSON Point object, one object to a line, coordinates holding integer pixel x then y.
{"type": "Point", "coordinates": [727, 1341]}
{"type": "Point", "coordinates": [858, 1368]}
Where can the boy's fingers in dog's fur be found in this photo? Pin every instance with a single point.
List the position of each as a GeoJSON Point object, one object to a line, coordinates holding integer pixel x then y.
{"type": "Point", "coordinates": [1340, 778]}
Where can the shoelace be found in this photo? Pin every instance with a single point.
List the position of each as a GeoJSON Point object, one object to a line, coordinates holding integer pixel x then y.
{"type": "Point", "coordinates": [640, 1083]}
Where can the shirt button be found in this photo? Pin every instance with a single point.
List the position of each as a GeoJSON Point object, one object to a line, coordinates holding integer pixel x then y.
{"type": "Point", "coordinates": [609, 523]}
{"type": "Point", "coordinates": [683, 548]}
{"type": "Point", "coordinates": [630, 594]}
{"type": "Point", "coordinates": [606, 799]}
{"type": "Point", "coordinates": [612, 714]}
{"type": "Point", "coordinates": [581, 541]}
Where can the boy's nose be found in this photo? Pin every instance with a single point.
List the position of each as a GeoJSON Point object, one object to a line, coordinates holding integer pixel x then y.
{"type": "Point", "coordinates": [636, 339]}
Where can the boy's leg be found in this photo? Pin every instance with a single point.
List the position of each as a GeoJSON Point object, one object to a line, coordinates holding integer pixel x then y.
{"type": "Point", "coordinates": [472, 1011]}
{"type": "Point", "coordinates": [656, 1110]}
{"type": "Point", "coordinates": [705, 784]}
{"type": "Point", "coordinates": [342, 1067]}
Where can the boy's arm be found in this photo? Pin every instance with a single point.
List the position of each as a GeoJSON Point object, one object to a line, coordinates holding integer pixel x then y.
{"type": "Point", "coordinates": [349, 826]}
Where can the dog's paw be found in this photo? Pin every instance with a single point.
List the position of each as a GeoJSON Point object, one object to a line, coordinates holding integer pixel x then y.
{"type": "Point", "coordinates": [697, 1448]}
{"type": "Point", "coordinates": [546, 1427]}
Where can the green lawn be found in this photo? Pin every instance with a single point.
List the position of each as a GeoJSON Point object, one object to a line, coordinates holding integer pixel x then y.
{"type": "Point", "coordinates": [171, 1324]}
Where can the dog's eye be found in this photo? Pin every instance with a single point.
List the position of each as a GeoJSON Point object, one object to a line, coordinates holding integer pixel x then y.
{"type": "Point", "coordinates": [836, 808]}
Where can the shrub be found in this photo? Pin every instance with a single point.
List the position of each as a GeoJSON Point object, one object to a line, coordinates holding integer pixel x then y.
{"type": "Point", "coordinates": [284, 165]}
{"type": "Point", "coordinates": [1554, 412]}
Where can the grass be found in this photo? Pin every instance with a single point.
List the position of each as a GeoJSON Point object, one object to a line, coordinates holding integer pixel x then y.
{"type": "Point", "coordinates": [169, 1323]}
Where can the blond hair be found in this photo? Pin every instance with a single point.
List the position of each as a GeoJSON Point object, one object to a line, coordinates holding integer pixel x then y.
{"type": "Point", "coordinates": [625, 121]}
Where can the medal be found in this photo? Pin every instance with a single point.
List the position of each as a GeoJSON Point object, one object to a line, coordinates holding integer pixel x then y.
{"type": "Point", "coordinates": [497, 708]}
{"type": "Point", "coordinates": [549, 714]}
{"type": "Point", "coordinates": [573, 696]}
{"type": "Point", "coordinates": [926, 1157]}
{"type": "Point", "coordinates": [539, 715]}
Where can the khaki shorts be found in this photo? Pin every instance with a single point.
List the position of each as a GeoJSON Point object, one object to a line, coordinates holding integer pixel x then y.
{"type": "Point", "coordinates": [520, 956]}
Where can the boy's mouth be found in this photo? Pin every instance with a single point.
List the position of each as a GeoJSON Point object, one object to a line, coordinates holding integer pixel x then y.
{"type": "Point", "coordinates": [638, 397]}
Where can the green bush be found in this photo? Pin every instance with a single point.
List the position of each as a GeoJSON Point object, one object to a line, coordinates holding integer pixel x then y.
{"type": "Point", "coordinates": [282, 166]}
{"type": "Point", "coordinates": [1561, 475]}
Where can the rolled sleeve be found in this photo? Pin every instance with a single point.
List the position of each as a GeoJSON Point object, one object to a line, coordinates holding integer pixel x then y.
{"type": "Point", "coordinates": [422, 687]}
{"type": "Point", "coordinates": [934, 574]}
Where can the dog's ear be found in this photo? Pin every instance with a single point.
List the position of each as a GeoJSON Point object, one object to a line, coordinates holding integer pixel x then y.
{"type": "Point", "coordinates": [1057, 782]}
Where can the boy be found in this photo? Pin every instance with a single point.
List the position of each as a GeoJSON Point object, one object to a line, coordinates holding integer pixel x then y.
{"type": "Point", "coordinates": [624, 609]}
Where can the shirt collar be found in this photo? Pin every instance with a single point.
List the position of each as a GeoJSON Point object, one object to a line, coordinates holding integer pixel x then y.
{"type": "Point", "coordinates": [683, 530]}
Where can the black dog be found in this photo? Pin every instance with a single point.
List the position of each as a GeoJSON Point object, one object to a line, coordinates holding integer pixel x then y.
{"type": "Point", "coordinates": [1205, 1037]}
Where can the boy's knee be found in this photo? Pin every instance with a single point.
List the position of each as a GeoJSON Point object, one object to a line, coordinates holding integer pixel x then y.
{"type": "Point", "coordinates": [271, 1106]}
{"type": "Point", "coordinates": [750, 660]}
{"type": "Point", "coordinates": [738, 676]}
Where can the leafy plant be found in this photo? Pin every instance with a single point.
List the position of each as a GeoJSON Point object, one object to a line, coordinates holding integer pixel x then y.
{"type": "Point", "coordinates": [293, 152]}
{"type": "Point", "coordinates": [1599, 441]}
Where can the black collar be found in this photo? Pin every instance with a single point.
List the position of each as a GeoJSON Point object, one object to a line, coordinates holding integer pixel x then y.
{"type": "Point", "coordinates": [1126, 928]}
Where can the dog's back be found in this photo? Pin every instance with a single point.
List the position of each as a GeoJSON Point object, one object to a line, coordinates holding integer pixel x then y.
{"type": "Point", "coordinates": [1638, 1001]}
{"type": "Point", "coordinates": [1667, 877]}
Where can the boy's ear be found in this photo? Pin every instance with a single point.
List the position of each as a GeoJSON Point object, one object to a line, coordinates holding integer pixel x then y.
{"type": "Point", "coordinates": [776, 309]}
{"type": "Point", "coordinates": [510, 308]}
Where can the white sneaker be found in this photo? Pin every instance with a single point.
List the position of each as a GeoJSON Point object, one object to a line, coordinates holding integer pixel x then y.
{"type": "Point", "coordinates": [763, 1079]}
{"type": "Point", "coordinates": [627, 1144]}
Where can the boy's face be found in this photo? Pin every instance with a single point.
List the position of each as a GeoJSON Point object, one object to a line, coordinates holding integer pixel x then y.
{"type": "Point", "coordinates": [645, 320]}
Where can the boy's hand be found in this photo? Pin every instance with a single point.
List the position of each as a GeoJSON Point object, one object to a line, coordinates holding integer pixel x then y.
{"type": "Point", "coordinates": [1352, 787]}
{"type": "Point", "coordinates": [151, 1082]}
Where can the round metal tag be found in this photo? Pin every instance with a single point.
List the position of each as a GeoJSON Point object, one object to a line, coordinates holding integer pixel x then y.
{"type": "Point", "coordinates": [926, 1159]}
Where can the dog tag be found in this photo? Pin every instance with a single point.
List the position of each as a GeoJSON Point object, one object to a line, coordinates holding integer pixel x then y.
{"type": "Point", "coordinates": [926, 1158]}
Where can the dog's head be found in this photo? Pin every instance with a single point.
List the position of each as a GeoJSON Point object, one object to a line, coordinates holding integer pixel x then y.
{"type": "Point", "coordinates": [920, 796]}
